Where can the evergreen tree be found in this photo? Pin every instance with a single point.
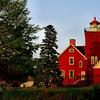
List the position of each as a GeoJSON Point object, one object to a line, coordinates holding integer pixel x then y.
{"type": "Point", "coordinates": [17, 35]}
{"type": "Point", "coordinates": [49, 55]}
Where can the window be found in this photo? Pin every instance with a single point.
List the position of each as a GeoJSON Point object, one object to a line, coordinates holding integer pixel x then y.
{"type": "Point", "coordinates": [71, 60]}
{"type": "Point", "coordinates": [80, 63]}
{"type": "Point", "coordinates": [62, 73]}
{"type": "Point", "coordinates": [82, 75]}
{"type": "Point", "coordinates": [94, 60]}
{"type": "Point", "coordinates": [71, 73]}
{"type": "Point", "coordinates": [71, 50]}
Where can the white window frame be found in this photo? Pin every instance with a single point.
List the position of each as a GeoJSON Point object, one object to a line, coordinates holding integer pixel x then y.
{"type": "Point", "coordinates": [92, 60]}
{"type": "Point", "coordinates": [70, 60]}
{"type": "Point", "coordinates": [62, 73]}
{"type": "Point", "coordinates": [80, 63]}
{"type": "Point", "coordinates": [96, 59]}
{"type": "Point", "coordinates": [83, 75]}
{"type": "Point", "coordinates": [70, 73]}
{"type": "Point", "coordinates": [71, 50]}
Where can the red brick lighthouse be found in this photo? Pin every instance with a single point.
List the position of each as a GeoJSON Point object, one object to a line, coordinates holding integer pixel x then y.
{"type": "Point", "coordinates": [92, 47]}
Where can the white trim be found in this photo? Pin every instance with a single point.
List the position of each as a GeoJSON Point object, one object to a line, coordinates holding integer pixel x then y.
{"type": "Point", "coordinates": [63, 73]}
{"type": "Point", "coordinates": [80, 63]}
{"type": "Point", "coordinates": [71, 50]}
{"type": "Point", "coordinates": [70, 60]}
{"type": "Point", "coordinates": [75, 49]}
{"type": "Point", "coordinates": [96, 59]}
{"type": "Point", "coordinates": [92, 60]}
{"type": "Point", "coordinates": [69, 73]}
{"type": "Point", "coordinates": [79, 52]}
{"type": "Point", "coordinates": [76, 81]}
{"type": "Point", "coordinates": [83, 75]}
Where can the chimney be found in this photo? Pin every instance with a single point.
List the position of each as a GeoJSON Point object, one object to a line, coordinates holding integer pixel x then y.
{"type": "Point", "coordinates": [72, 41]}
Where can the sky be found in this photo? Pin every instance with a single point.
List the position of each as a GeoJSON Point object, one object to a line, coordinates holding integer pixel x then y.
{"type": "Point", "coordinates": [69, 18]}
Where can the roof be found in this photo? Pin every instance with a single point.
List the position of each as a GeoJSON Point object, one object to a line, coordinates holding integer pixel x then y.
{"type": "Point", "coordinates": [81, 49]}
{"type": "Point", "coordinates": [95, 21]}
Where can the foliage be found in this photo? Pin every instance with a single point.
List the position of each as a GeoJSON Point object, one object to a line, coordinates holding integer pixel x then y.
{"type": "Point", "coordinates": [16, 36]}
{"type": "Point", "coordinates": [49, 56]}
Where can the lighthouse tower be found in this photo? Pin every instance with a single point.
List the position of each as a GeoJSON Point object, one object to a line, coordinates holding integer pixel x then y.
{"type": "Point", "coordinates": [92, 46]}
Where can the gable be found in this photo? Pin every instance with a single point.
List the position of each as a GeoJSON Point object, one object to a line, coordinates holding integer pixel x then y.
{"type": "Point", "coordinates": [72, 47]}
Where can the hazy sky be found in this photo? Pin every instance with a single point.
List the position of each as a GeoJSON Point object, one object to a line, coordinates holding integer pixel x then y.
{"type": "Point", "coordinates": [69, 17]}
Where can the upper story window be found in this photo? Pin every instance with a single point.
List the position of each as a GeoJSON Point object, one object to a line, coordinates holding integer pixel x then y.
{"type": "Point", "coordinates": [80, 63]}
{"type": "Point", "coordinates": [94, 60]}
{"type": "Point", "coordinates": [71, 73]}
{"type": "Point", "coordinates": [71, 50]}
{"type": "Point", "coordinates": [71, 60]}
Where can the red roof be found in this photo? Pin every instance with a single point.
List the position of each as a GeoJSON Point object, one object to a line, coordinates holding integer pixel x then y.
{"type": "Point", "coordinates": [94, 21]}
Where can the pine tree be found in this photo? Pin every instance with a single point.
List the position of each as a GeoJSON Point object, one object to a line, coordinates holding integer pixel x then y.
{"type": "Point", "coordinates": [17, 35]}
{"type": "Point", "coordinates": [49, 56]}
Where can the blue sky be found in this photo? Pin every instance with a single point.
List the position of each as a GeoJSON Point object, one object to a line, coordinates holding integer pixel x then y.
{"type": "Point", "coordinates": [69, 17]}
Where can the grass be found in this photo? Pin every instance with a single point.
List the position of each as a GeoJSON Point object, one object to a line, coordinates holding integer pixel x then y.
{"type": "Point", "coordinates": [67, 93]}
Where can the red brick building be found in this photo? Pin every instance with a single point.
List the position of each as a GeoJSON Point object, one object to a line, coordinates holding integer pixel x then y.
{"type": "Point", "coordinates": [78, 63]}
